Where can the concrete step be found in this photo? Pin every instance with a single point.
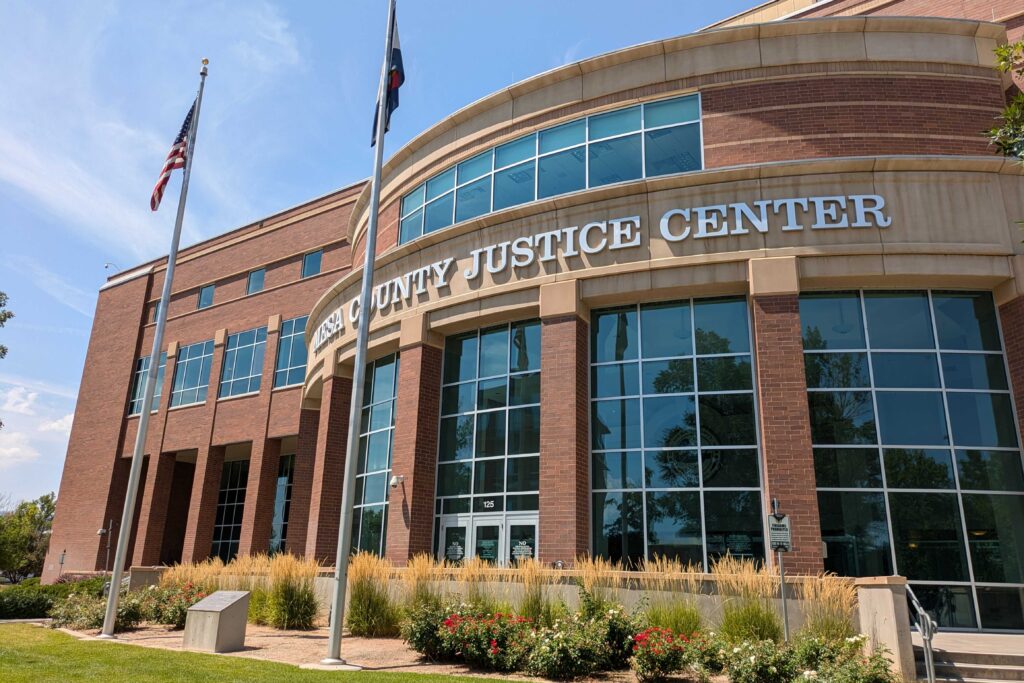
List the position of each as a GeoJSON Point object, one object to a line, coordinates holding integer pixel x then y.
{"type": "Point", "coordinates": [960, 671]}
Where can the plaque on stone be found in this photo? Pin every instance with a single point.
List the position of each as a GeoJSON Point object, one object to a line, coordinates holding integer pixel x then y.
{"type": "Point", "coordinates": [217, 622]}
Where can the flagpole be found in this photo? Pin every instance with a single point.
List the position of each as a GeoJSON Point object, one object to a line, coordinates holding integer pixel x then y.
{"type": "Point", "coordinates": [124, 533]}
{"type": "Point", "coordinates": [359, 371]}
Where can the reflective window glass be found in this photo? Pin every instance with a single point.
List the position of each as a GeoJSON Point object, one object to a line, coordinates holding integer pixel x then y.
{"type": "Point", "coordinates": [438, 213]}
{"type": "Point", "coordinates": [841, 417]}
{"type": "Point", "coordinates": [837, 370]}
{"type": "Point", "coordinates": [440, 184]}
{"type": "Point", "coordinates": [966, 320]}
{"type": "Point", "coordinates": [724, 373]}
{"type": "Point", "coordinates": [515, 151]}
{"type": "Point", "coordinates": [523, 474]}
{"type": "Point", "coordinates": [919, 468]}
{"type": "Point", "coordinates": [721, 326]}
{"type": "Point", "coordinates": [670, 421]}
{"type": "Point", "coordinates": [666, 376]}
{"type": "Point", "coordinates": [731, 468]}
{"type": "Point", "coordinates": [560, 137]}
{"type": "Point", "coordinates": [982, 420]}
{"type": "Point", "coordinates": [667, 112]}
{"type": "Point", "coordinates": [671, 469]}
{"type": "Point", "coordinates": [615, 424]}
{"type": "Point", "coordinates": [995, 536]}
{"type": "Point", "coordinates": [1001, 607]}
{"type": "Point", "coordinates": [205, 297]}
{"type": "Point", "coordinates": [619, 379]}
{"type": "Point", "coordinates": [615, 123]}
{"type": "Point", "coordinates": [618, 524]}
{"type": "Point", "coordinates": [855, 531]}
{"type": "Point", "coordinates": [311, 263]}
{"type": "Point", "coordinates": [617, 470]}
{"type": "Point", "coordinates": [928, 536]}
{"type": "Point", "coordinates": [950, 606]}
{"type": "Point", "coordinates": [911, 417]}
{"type": "Point", "coordinates": [291, 353]}
{"type": "Point", "coordinates": [666, 329]}
{"type": "Point", "coordinates": [727, 419]}
{"type": "Point", "coordinates": [616, 160]}
{"type": "Point", "coordinates": [474, 168]}
{"type": "Point", "coordinates": [254, 283]}
{"type": "Point", "coordinates": [990, 470]}
{"type": "Point", "coordinates": [847, 468]}
{"type": "Point", "coordinates": [514, 185]}
{"type": "Point", "coordinates": [673, 526]}
{"type": "Point", "coordinates": [411, 226]}
{"type": "Point", "coordinates": [614, 335]}
{"type": "Point", "coordinates": [672, 150]}
{"type": "Point", "coordinates": [905, 370]}
{"type": "Point", "coordinates": [974, 371]}
{"type": "Point", "coordinates": [832, 321]}
{"type": "Point", "coordinates": [734, 524]}
{"type": "Point", "coordinates": [899, 320]}
{"type": "Point", "coordinates": [412, 201]}
{"type": "Point", "coordinates": [561, 172]}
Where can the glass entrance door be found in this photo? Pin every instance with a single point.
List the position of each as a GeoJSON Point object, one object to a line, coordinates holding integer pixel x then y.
{"type": "Point", "coordinates": [496, 539]}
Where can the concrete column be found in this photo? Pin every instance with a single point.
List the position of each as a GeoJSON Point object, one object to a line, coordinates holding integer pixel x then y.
{"type": "Point", "coordinates": [328, 469]}
{"type": "Point", "coordinates": [784, 416]}
{"type": "Point", "coordinates": [261, 490]}
{"type": "Point", "coordinates": [302, 482]}
{"type": "Point", "coordinates": [883, 617]}
{"type": "Point", "coordinates": [564, 425]}
{"type": "Point", "coordinates": [155, 499]}
{"type": "Point", "coordinates": [414, 450]}
{"type": "Point", "coordinates": [202, 511]}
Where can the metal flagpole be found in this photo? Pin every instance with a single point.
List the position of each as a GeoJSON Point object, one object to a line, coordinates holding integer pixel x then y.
{"type": "Point", "coordinates": [147, 402]}
{"type": "Point", "coordinates": [359, 372]}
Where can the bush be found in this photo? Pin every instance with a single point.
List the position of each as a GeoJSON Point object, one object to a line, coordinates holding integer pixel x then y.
{"type": "Point", "coordinates": [20, 603]}
{"type": "Point", "coordinates": [749, 620]}
{"type": "Point", "coordinates": [760, 662]}
{"type": "Point", "coordinates": [657, 654]}
{"type": "Point", "coordinates": [840, 661]}
{"type": "Point", "coordinates": [499, 642]}
{"type": "Point", "coordinates": [169, 606]}
{"type": "Point", "coordinates": [293, 604]}
{"type": "Point", "coordinates": [570, 649]}
{"type": "Point", "coordinates": [31, 581]}
{"type": "Point", "coordinates": [421, 629]}
{"type": "Point", "coordinates": [371, 611]}
{"type": "Point", "coordinates": [677, 616]}
{"type": "Point", "coordinates": [84, 612]}
{"type": "Point", "coordinates": [612, 626]}
{"type": "Point", "coordinates": [707, 652]}
{"type": "Point", "coordinates": [259, 607]}
{"type": "Point", "coordinates": [829, 606]}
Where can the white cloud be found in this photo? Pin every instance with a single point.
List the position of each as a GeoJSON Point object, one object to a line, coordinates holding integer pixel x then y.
{"type": "Point", "coordinates": [18, 400]}
{"type": "Point", "coordinates": [60, 425]}
{"type": "Point", "coordinates": [15, 449]}
{"type": "Point", "coordinates": [38, 385]}
{"type": "Point", "coordinates": [54, 285]}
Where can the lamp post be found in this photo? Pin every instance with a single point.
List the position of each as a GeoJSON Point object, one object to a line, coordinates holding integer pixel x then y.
{"type": "Point", "coordinates": [106, 532]}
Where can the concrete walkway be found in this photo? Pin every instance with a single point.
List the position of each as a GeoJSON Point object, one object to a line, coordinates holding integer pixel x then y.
{"type": "Point", "coordinates": [980, 643]}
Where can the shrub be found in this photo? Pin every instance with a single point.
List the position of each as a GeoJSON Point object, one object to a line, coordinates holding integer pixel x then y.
{"type": "Point", "coordinates": [421, 629]}
{"type": "Point", "coordinates": [31, 581]}
{"type": "Point", "coordinates": [676, 616]}
{"type": "Point", "coordinates": [418, 577]}
{"type": "Point", "coordinates": [828, 605]}
{"type": "Point", "coordinates": [749, 591]}
{"type": "Point", "coordinates": [657, 654]}
{"type": "Point", "coordinates": [168, 606]}
{"type": "Point", "coordinates": [292, 599]}
{"type": "Point", "coordinates": [760, 662]}
{"type": "Point", "coordinates": [83, 612]}
{"type": "Point", "coordinates": [499, 642]}
{"type": "Point", "coordinates": [371, 611]}
{"type": "Point", "coordinates": [259, 607]}
{"type": "Point", "coordinates": [570, 649]}
{"type": "Point", "coordinates": [706, 652]}
{"type": "Point", "coordinates": [840, 661]}
{"type": "Point", "coordinates": [20, 603]}
{"type": "Point", "coordinates": [747, 620]}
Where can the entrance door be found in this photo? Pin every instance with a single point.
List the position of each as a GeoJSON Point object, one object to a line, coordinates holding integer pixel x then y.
{"type": "Point", "coordinates": [495, 539]}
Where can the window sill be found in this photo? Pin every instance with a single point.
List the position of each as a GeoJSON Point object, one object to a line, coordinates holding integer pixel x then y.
{"type": "Point", "coordinates": [187, 405]}
{"type": "Point", "coordinates": [237, 396]}
{"type": "Point", "coordinates": [135, 415]}
{"type": "Point", "coordinates": [288, 386]}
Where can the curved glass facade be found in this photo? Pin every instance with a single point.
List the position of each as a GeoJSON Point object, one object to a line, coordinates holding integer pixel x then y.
{"type": "Point", "coordinates": [675, 470]}
{"type": "Point", "coordinates": [642, 141]}
{"type": "Point", "coordinates": [916, 452]}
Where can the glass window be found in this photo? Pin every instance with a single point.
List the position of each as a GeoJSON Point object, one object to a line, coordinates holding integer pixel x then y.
{"type": "Point", "coordinates": [373, 471]}
{"type": "Point", "coordinates": [282, 503]}
{"type": "Point", "coordinates": [672, 150]}
{"type": "Point", "coordinates": [473, 200]}
{"type": "Point", "coordinates": [243, 362]}
{"type": "Point", "coordinates": [653, 139]}
{"type": "Point", "coordinates": [514, 185]}
{"type": "Point", "coordinates": [139, 384]}
{"type": "Point", "coordinates": [616, 160]}
{"type": "Point", "coordinates": [855, 532]}
{"type": "Point", "coordinates": [515, 151]}
{"type": "Point", "coordinates": [227, 526]}
{"type": "Point", "coordinates": [489, 440]}
{"type": "Point", "coordinates": [614, 123]}
{"type": "Point", "coordinates": [686, 417]}
{"type": "Point", "coordinates": [561, 172]}
{"type": "Point", "coordinates": [311, 263]}
{"type": "Point", "coordinates": [254, 283]}
{"type": "Point", "coordinates": [291, 353]}
{"type": "Point", "coordinates": [1001, 608]}
{"type": "Point", "coordinates": [192, 374]}
{"type": "Point", "coordinates": [205, 299]}
{"type": "Point", "coordinates": [951, 468]}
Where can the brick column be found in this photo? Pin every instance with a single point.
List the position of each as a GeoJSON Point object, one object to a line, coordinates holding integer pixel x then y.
{"type": "Point", "coordinates": [784, 417]}
{"type": "Point", "coordinates": [202, 510]}
{"type": "Point", "coordinates": [564, 426]}
{"type": "Point", "coordinates": [302, 482]}
{"type": "Point", "coordinates": [414, 450]}
{"type": "Point", "coordinates": [261, 490]}
{"type": "Point", "coordinates": [152, 517]}
{"type": "Point", "coordinates": [1011, 318]}
{"type": "Point", "coordinates": [264, 459]}
{"type": "Point", "coordinates": [328, 469]}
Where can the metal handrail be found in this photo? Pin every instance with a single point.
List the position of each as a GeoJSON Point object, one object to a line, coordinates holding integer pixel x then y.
{"type": "Point", "coordinates": [927, 626]}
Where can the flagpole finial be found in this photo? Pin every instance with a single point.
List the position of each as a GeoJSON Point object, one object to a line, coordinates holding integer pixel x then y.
{"type": "Point", "coordinates": [206, 62]}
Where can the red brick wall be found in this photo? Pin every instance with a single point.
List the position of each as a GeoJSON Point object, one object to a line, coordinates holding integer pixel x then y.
{"type": "Point", "coordinates": [328, 470]}
{"type": "Point", "coordinates": [414, 453]}
{"type": "Point", "coordinates": [785, 426]}
{"type": "Point", "coordinates": [837, 115]}
{"type": "Point", "coordinates": [302, 481]}
{"type": "Point", "coordinates": [152, 518]}
{"type": "Point", "coordinates": [564, 434]}
{"type": "Point", "coordinates": [202, 507]}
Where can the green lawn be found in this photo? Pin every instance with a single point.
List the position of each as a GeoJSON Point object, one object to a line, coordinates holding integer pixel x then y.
{"type": "Point", "coordinates": [30, 654]}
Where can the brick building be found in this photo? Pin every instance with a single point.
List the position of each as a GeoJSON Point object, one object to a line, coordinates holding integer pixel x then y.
{"type": "Point", "coordinates": [619, 307]}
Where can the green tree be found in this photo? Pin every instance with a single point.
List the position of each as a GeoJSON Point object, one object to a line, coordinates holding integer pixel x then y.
{"type": "Point", "coordinates": [5, 315]}
{"type": "Point", "coordinates": [25, 537]}
{"type": "Point", "coordinates": [1008, 137]}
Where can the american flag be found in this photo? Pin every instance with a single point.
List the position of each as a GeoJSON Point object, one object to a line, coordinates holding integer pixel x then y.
{"type": "Point", "coordinates": [175, 159]}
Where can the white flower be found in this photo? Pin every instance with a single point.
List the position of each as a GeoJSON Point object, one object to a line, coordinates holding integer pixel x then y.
{"type": "Point", "coordinates": [810, 674]}
{"type": "Point", "coordinates": [735, 650]}
{"type": "Point", "coordinates": [752, 658]}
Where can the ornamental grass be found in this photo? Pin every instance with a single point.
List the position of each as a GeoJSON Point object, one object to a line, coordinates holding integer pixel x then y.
{"type": "Point", "coordinates": [371, 611]}
{"type": "Point", "coordinates": [829, 604]}
{"type": "Point", "coordinates": [748, 592]}
{"type": "Point", "coordinates": [670, 590]}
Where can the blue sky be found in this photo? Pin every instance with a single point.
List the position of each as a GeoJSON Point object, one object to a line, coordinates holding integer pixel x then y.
{"type": "Point", "coordinates": [92, 94]}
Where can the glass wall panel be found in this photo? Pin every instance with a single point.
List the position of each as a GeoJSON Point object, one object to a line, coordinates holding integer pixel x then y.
{"type": "Point", "coordinates": [652, 139]}
{"type": "Point", "coordinates": [675, 467]}
{"type": "Point", "coordinates": [913, 428]}
{"type": "Point", "coordinates": [489, 440]}
{"type": "Point", "coordinates": [373, 471]}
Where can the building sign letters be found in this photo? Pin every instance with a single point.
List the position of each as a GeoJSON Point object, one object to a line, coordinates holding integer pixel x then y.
{"type": "Point", "coordinates": [833, 212]}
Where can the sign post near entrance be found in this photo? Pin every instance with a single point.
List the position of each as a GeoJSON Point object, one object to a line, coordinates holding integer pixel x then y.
{"type": "Point", "coordinates": [781, 538]}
